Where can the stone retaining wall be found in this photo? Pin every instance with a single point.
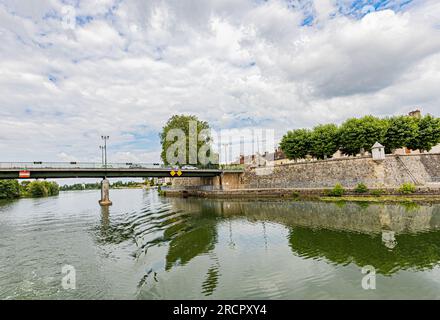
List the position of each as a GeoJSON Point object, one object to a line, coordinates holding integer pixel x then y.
{"type": "Point", "coordinates": [389, 173]}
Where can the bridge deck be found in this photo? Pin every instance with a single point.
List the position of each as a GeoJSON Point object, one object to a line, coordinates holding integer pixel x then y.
{"type": "Point", "coordinates": [74, 170]}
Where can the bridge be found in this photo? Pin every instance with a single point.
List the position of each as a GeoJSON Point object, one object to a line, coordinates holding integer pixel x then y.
{"type": "Point", "coordinates": [62, 170]}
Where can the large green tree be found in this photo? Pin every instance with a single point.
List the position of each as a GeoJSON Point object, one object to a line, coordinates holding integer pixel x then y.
{"type": "Point", "coordinates": [183, 122]}
{"type": "Point", "coordinates": [428, 134]}
{"type": "Point", "coordinates": [400, 132]}
{"type": "Point", "coordinates": [296, 144]}
{"type": "Point", "coordinates": [324, 141]}
{"type": "Point", "coordinates": [9, 189]}
{"type": "Point", "coordinates": [360, 134]}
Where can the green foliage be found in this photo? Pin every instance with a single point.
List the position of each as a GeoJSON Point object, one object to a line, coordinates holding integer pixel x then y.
{"type": "Point", "coordinates": [341, 203]}
{"type": "Point", "coordinates": [428, 134]}
{"type": "Point", "coordinates": [128, 184]}
{"type": "Point", "coordinates": [363, 204]}
{"type": "Point", "coordinates": [295, 194]}
{"type": "Point", "coordinates": [400, 132]}
{"type": "Point", "coordinates": [182, 122]}
{"type": "Point", "coordinates": [81, 186]}
{"type": "Point", "coordinates": [407, 188]}
{"type": "Point", "coordinates": [296, 143]}
{"type": "Point", "coordinates": [410, 206]}
{"type": "Point", "coordinates": [361, 188]}
{"type": "Point", "coordinates": [37, 189]}
{"type": "Point", "coordinates": [24, 184]}
{"type": "Point", "coordinates": [357, 134]}
{"type": "Point", "coordinates": [377, 192]}
{"type": "Point", "coordinates": [324, 141]}
{"type": "Point", "coordinates": [53, 188]}
{"type": "Point", "coordinates": [9, 189]}
{"type": "Point", "coordinates": [97, 186]}
{"type": "Point", "coordinates": [337, 191]}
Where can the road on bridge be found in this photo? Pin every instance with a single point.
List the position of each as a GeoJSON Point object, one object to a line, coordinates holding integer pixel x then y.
{"type": "Point", "coordinates": [52, 170]}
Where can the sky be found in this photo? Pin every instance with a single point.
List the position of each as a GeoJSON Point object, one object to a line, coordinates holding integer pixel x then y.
{"type": "Point", "coordinates": [71, 71]}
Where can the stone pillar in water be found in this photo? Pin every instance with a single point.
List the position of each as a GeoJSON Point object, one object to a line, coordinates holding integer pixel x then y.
{"type": "Point", "coordinates": [105, 193]}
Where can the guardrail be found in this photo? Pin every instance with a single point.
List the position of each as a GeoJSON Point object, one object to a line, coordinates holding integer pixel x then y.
{"type": "Point", "coordinates": [77, 165]}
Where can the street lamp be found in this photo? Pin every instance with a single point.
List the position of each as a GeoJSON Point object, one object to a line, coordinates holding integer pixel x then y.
{"type": "Point", "coordinates": [225, 145]}
{"type": "Point", "coordinates": [102, 154]}
{"type": "Point", "coordinates": [105, 138]}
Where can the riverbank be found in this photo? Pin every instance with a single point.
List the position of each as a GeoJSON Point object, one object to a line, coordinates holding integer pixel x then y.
{"type": "Point", "coordinates": [97, 186]}
{"type": "Point", "coordinates": [12, 189]}
{"type": "Point", "coordinates": [420, 195]}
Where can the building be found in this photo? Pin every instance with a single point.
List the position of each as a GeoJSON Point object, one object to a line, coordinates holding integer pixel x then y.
{"type": "Point", "coordinates": [416, 114]}
{"type": "Point", "coordinates": [162, 181]}
{"type": "Point", "coordinates": [402, 151]}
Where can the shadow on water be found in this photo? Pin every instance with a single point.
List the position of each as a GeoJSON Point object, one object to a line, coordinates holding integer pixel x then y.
{"type": "Point", "coordinates": [388, 237]}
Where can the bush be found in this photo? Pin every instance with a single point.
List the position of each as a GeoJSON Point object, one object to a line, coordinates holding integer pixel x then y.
{"type": "Point", "coordinates": [337, 191]}
{"type": "Point", "coordinates": [361, 188]}
{"type": "Point", "coordinates": [9, 189]}
{"type": "Point", "coordinates": [407, 188]}
{"type": "Point", "coordinates": [52, 188]}
{"type": "Point", "coordinates": [377, 192]}
{"type": "Point", "coordinates": [37, 189]}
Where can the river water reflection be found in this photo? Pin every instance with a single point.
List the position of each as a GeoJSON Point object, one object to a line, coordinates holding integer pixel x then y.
{"type": "Point", "coordinates": [150, 247]}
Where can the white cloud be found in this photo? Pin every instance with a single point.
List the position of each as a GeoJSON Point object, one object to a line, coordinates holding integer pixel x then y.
{"type": "Point", "coordinates": [129, 65]}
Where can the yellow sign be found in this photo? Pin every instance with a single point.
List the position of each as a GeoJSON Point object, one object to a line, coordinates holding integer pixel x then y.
{"type": "Point", "coordinates": [173, 173]}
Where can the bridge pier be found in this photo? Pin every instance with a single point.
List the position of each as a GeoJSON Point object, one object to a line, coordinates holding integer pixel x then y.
{"type": "Point", "coordinates": [105, 193]}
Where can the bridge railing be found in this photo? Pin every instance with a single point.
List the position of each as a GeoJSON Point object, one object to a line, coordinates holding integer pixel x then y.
{"type": "Point", "coordinates": [76, 165]}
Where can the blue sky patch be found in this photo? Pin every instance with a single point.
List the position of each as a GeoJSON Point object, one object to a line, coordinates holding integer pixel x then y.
{"type": "Point", "coordinates": [83, 20]}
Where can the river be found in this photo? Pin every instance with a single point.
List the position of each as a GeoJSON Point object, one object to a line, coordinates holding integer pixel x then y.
{"type": "Point", "coordinates": [150, 247]}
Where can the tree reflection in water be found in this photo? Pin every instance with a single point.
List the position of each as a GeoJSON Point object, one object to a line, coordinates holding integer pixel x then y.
{"type": "Point", "coordinates": [388, 237]}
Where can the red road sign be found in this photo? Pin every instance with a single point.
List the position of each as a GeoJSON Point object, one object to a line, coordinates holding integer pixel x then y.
{"type": "Point", "coordinates": [24, 174]}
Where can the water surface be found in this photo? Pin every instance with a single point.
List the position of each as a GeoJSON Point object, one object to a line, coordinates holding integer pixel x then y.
{"type": "Point", "coordinates": [150, 247]}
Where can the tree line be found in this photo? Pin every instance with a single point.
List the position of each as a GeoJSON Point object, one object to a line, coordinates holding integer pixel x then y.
{"type": "Point", "coordinates": [97, 185]}
{"type": "Point", "coordinates": [357, 135]}
{"type": "Point", "coordinates": [12, 189]}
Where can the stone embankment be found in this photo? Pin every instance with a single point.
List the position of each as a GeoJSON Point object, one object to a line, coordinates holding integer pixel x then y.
{"type": "Point", "coordinates": [317, 177]}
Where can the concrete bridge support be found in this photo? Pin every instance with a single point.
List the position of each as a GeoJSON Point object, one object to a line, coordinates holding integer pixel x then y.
{"type": "Point", "coordinates": [105, 193]}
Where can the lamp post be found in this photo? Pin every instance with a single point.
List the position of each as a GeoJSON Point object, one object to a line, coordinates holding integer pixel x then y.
{"type": "Point", "coordinates": [226, 145]}
{"type": "Point", "coordinates": [105, 138]}
{"type": "Point", "coordinates": [102, 154]}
